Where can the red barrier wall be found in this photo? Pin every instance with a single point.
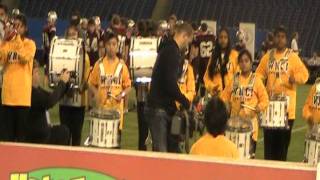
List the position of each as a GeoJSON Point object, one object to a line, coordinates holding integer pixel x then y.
{"type": "Point", "coordinates": [144, 165]}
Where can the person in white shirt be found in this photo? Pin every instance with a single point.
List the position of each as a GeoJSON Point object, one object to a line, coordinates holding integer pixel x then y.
{"type": "Point", "coordinates": [294, 42]}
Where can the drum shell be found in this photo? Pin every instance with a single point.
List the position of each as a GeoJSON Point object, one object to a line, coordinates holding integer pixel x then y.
{"type": "Point", "coordinates": [142, 91]}
{"type": "Point", "coordinates": [143, 54]}
{"type": "Point", "coordinates": [104, 128]}
{"type": "Point", "coordinates": [239, 131]}
{"type": "Point", "coordinates": [276, 115]}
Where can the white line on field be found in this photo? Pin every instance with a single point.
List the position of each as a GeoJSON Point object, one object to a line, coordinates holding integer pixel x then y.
{"type": "Point", "coordinates": [294, 130]}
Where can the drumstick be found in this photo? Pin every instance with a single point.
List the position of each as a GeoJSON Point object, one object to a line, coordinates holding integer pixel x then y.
{"type": "Point", "coordinates": [249, 107]}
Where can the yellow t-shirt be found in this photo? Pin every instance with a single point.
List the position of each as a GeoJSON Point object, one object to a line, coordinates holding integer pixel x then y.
{"type": "Point", "coordinates": [216, 81]}
{"type": "Point", "coordinates": [117, 86]}
{"type": "Point", "coordinates": [218, 146]}
{"type": "Point", "coordinates": [17, 77]}
{"type": "Point", "coordinates": [311, 108]}
{"type": "Point", "coordinates": [254, 96]}
{"type": "Point", "coordinates": [283, 69]}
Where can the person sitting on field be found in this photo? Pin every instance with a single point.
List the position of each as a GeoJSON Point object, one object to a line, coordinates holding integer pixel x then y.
{"type": "Point", "coordinates": [214, 143]}
{"type": "Point", "coordinates": [39, 129]}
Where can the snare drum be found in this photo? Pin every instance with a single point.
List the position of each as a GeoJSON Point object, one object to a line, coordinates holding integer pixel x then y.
{"type": "Point", "coordinates": [276, 115]}
{"type": "Point", "coordinates": [143, 85]}
{"type": "Point", "coordinates": [104, 128]}
{"type": "Point", "coordinates": [239, 131]}
{"type": "Point", "coordinates": [312, 146]}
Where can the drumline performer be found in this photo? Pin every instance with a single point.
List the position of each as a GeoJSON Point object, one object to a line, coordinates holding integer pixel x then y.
{"type": "Point", "coordinates": [17, 55]}
{"type": "Point", "coordinates": [3, 23]}
{"type": "Point", "coordinates": [186, 81]}
{"type": "Point", "coordinates": [246, 96]}
{"type": "Point", "coordinates": [204, 43]}
{"type": "Point", "coordinates": [223, 65]}
{"type": "Point", "coordinates": [311, 108]}
{"type": "Point", "coordinates": [72, 115]}
{"type": "Point", "coordinates": [110, 79]}
{"type": "Point", "coordinates": [142, 86]}
{"type": "Point", "coordinates": [48, 33]}
{"type": "Point", "coordinates": [311, 114]}
{"type": "Point", "coordinates": [92, 38]}
{"type": "Point", "coordinates": [282, 71]}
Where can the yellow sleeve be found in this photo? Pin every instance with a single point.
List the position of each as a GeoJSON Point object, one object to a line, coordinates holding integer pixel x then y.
{"type": "Point", "coordinates": [299, 71]}
{"type": "Point", "coordinates": [261, 70]}
{"type": "Point", "coordinates": [3, 52]}
{"type": "Point", "coordinates": [234, 59]}
{"type": "Point", "coordinates": [306, 112]}
{"type": "Point", "coordinates": [262, 94]}
{"type": "Point", "coordinates": [208, 82]}
{"type": "Point", "coordinates": [86, 68]}
{"type": "Point", "coordinates": [27, 50]}
{"type": "Point", "coordinates": [94, 76]}
{"type": "Point", "coordinates": [194, 149]}
{"type": "Point", "coordinates": [126, 81]}
{"type": "Point", "coordinates": [191, 86]}
{"type": "Point", "coordinates": [226, 93]}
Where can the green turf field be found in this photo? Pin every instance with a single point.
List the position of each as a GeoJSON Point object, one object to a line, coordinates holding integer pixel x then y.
{"type": "Point", "coordinates": [130, 132]}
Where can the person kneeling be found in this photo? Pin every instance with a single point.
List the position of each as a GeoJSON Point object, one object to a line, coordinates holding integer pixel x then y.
{"type": "Point", "coordinates": [214, 143]}
{"type": "Point", "coordinates": [39, 129]}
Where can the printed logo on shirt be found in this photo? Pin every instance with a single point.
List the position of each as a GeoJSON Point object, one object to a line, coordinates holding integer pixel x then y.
{"type": "Point", "coordinates": [12, 57]}
{"type": "Point", "coordinates": [243, 92]}
{"type": "Point", "coordinates": [316, 101]}
{"type": "Point", "coordinates": [109, 80]}
{"type": "Point", "coordinates": [280, 67]}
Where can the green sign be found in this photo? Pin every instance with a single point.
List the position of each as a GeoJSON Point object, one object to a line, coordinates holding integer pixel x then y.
{"type": "Point", "coordinates": [60, 174]}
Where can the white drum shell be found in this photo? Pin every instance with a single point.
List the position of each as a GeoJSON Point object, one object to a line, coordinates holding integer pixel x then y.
{"type": "Point", "coordinates": [276, 115]}
{"type": "Point", "coordinates": [143, 55]}
{"type": "Point", "coordinates": [242, 140]}
{"type": "Point", "coordinates": [105, 131]}
{"type": "Point", "coordinates": [311, 153]}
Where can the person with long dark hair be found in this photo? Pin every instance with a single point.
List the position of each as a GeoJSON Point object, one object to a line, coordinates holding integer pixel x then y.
{"type": "Point", "coordinates": [222, 65]}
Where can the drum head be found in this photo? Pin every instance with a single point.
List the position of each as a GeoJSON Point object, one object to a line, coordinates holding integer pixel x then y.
{"type": "Point", "coordinates": [239, 124]}
{"type": "Point", "coordinates": [110, 114]}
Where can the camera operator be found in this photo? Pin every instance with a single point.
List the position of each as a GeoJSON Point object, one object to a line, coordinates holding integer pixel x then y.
{"type": "Point", "coordinates": [164, 90]}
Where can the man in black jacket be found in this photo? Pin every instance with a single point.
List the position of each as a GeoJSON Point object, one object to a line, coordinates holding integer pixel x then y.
{"type": "Point", "coordinates": [39, 129]}
{"type": "Point", "coordinates": [164, 91]}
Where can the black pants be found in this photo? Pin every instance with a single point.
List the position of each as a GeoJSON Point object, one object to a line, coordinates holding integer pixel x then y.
{"type": "Point", "coordinates": [160, 127]}
{"type": "Point", "coordinates": [253, 148]}
{"type": "Point", "coordinates": [58, 135]}
{"type": "Point", "coordinates": [13, 123]}
{"type": "Point", "coordinates": [142, 126]}
{"type": "Point", "coordinates": [73, 118]}
{"type": "Point", "coordinates": [276, 143]}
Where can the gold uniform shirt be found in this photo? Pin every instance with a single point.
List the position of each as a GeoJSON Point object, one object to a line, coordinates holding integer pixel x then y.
{"type": "Point", "coordinates": [216, 82]}
{"type": "Point", "coordinates": [311, 108]}
{"type": "Point", "coordinates": [255, 96]}
{"type": "Point", "coordinates": [218, 146]}
{"type": "Point", "coordinates": [84, 95]}
{"type": "Point", "coordinates": [188, 87]}
{"type": "Point", "coordinates": [125, 82]}
{"type": "Point", "coordinates": [17, 77]}
{"type": "Point", "coordinates": [293, 67]}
